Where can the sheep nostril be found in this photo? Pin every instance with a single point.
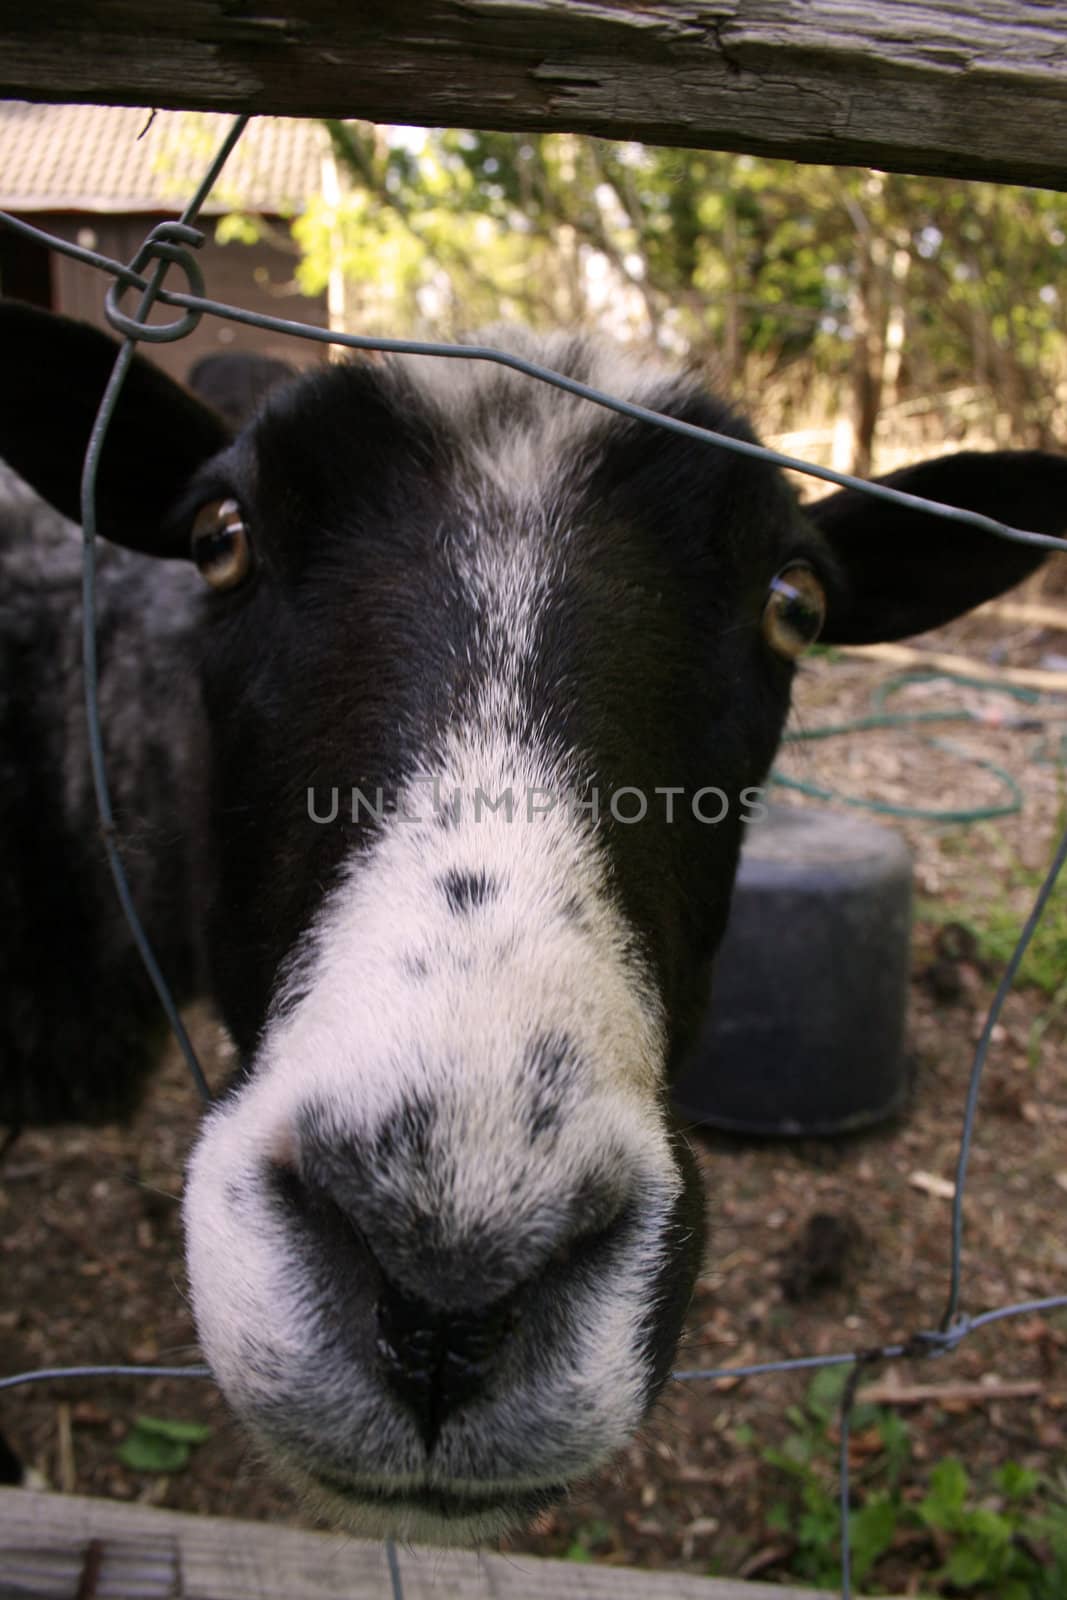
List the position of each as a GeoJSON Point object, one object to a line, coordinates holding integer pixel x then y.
{"type": "Point", "coordinates": [437, 1361]}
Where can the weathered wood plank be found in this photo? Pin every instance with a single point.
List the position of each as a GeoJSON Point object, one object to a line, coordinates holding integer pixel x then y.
{"type": "Point", "coordinates": [146, 1554]}
{"type": "Point", "coordinates": [967, 88]}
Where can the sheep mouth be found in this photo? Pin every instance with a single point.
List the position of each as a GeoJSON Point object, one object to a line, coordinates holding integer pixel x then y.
{"type": "Point", "coordinates": [447, 1504]}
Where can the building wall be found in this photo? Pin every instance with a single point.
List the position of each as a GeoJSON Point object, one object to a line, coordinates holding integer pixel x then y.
{"type": "Point", "coordinates": [256, 277]}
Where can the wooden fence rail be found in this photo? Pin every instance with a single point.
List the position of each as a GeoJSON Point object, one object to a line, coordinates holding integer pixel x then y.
{"type": "Point", "coordinates": [964, 88]}
{"type": "Point", "coordinates": [66, 1547]}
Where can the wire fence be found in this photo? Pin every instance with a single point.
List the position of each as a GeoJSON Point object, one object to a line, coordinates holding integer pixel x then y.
{"type": "Point", "coordinates": [170, 244]}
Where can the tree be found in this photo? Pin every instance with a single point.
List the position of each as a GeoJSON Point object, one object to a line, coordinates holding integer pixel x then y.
{"type": "Point", "coordinates": [818, 291]}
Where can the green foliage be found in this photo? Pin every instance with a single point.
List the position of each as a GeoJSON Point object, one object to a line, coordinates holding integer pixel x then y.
{"type": "Point", "coordinates": [997, 922]}
{"type": "Point", "coordinates": [810, 1459]}
{"type": "Point", "coordinates": [1005, 1539]}
{"type": "Point", "coordinates": [880, 283]}
{"type": "Point", "coordinates": [992, 1544]}
{"type": "Point", "coordinates": [1045, 963]}
{"type": "Point", "coordinates": [158, 1444]}
{"type": "Point", "coordinates": [237, 227]}
{"type": "Point", "coordinates": [588, 1536]}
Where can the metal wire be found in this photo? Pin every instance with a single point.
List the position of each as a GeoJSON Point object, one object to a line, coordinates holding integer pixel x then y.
{"type": "Point", "coordinates": [533, 369]}
{"type": "Point", "coordinates": [97, 762]}
{"type": "Point", "coordinates": [57, 1374]}
{"type": "Point", "coordinates": [394, 1570]}
{"type": "Point", "coordinates": [160, 245]}
{"type": "Point", "coordinates": [170, 244]}
{"type": "Point", "coordinates": [975, 1084]}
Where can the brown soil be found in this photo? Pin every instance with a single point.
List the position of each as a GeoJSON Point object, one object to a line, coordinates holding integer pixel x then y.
{"type": "Point", "coordinates": [90, 1248]}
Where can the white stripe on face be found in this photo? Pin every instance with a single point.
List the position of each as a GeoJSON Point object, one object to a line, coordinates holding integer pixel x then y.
{"type": "Point", "coordinates": [414, 992]}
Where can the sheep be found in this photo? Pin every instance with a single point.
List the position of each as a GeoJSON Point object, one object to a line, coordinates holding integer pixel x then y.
{"type": "Point", "coordinates": [82, 1019]}
{"type": "Point", "coordinates": [80, 1026]}
{"type": "Point", "coordinates": [233, 382]}
{"type": "Point", "coordinates": [411, 689]}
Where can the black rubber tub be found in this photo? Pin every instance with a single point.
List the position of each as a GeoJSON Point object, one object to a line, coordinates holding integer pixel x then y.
{"type": "Point", "coordinates": [805, 1028]}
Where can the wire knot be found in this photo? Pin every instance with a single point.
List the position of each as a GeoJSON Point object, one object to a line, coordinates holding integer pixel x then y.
{"type": "Point", "coordinates": [168, 244]}
{"type": "Point", "coordinates": [936, 1341]}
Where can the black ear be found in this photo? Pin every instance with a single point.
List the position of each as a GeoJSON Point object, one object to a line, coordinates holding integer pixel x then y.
{"type": "Point", "coordinates": [903, 571]}
{"type": "Point", "coordinates": [236, 382]}
{"type": "Point", "coordinates": [54, 374]}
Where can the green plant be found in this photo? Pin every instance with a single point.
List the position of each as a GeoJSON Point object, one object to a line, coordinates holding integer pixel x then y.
{"type": "Point", "coordinates": [1005, 1539]}
{"type": "Point", "coordinates": [1004, 1545]}
{"type": "Point", "coordinates": [587, 1536]}
{"type": "Point", "coordinates": [809, 1456]}
{"type": "Point", "coordinates": [996, 924]}
{"type": "Point", "coordinates": [157, 1444]}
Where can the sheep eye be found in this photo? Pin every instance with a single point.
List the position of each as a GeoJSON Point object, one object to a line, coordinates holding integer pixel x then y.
{"type": "Point", "coordinates": [220, 544]}
{"type": "Point", "coordinates": [795, 611]}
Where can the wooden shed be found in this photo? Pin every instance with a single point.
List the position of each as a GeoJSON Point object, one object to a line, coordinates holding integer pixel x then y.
{"type": "Point", "coordinates": [102, 176]}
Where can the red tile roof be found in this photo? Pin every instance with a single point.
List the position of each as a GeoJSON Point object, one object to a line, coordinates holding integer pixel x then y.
{"type": "Point", "coordinates": [124, 159]}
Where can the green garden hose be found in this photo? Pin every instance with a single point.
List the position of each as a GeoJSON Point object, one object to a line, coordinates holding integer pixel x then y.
{"type": "Point", "coordinates": [880, 718]}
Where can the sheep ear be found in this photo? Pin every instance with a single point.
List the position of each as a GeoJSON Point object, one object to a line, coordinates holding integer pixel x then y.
{"type": "Point", "coordinates": [54, 374]}
{"type": "Point", "coordinates": [902, 571]}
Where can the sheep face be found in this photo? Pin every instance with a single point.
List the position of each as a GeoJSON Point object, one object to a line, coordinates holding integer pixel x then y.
{"type": "Point", "coordinates": [441, 1230]}
{"type": "Point", "coordinates": [488, 680]}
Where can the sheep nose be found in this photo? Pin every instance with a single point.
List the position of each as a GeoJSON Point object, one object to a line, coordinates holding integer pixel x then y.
{"type": "Point", "coordinates": [435, 1318]}
{"type": "Point", "coordinates": [437, 1362]}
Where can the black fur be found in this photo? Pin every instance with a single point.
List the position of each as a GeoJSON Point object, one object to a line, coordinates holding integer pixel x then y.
{"type": "Point", "coordinates": [80, 1026]}
{"type": "Point", "coordinates": [235, 382]}
{"type": "Point", "coordinates": [466, 891]}
{"type": "Point", "coordinates": [548, 1073]}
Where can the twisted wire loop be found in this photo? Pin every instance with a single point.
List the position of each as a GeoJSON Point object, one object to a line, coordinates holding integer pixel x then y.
{"type": "Point", "coordinates": [171, 244]}
{"type": "Point", "coordinates": [167, 243]}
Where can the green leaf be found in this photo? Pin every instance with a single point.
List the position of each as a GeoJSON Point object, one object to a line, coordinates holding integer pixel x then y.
{"type": "Point", "coordinates": [160, 1444]}
{"type": "Point", "coordinates": [778, 1517]}
{"type": "Point", "coordinates": [577, 1552]}
{"type": "Point", "coordinates": [865, 1416]}
{"type": "Point", "coordinates": [149, 1452]}
{"type": "Point", "coordinates": [1018, 1483]}
{"type": "Point", "coordinates": [871, 1531]}
{"type": "Point", "coordinates": [825, 1391]}
{"type": "Point", "coordinates": [896, 1443]}
{"type": "Point", "coordinates": [814, 1528]}
{"type": "Point", "coordinates": [181, 1432]}
{"type": "Point", "coordinates": [238, 228]}
{"type": "Point", "coordinates": [988, 1527]}
{"type": "Point", "coordinates": [943, 1504]}
{"type": "Point", "coordinates": [794, 1456]}
{"type": "Point", "coordinates": [967, 1565]}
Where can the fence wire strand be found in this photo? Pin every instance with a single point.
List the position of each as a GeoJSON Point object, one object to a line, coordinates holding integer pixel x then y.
{"type": "Point", "coordinates": [170, 244]}
{"type": "Point", "coordinates": [162, 244]}
{"type": "Point", "coordinates": [200, 305]}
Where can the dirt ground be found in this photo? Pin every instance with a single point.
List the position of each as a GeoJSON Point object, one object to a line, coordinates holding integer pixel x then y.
{"type": "Point", "coordinates": [90, 1247]}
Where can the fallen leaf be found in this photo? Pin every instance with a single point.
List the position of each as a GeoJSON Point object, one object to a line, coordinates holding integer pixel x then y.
{"type": "Point", "coordinates": [930, 1183]}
